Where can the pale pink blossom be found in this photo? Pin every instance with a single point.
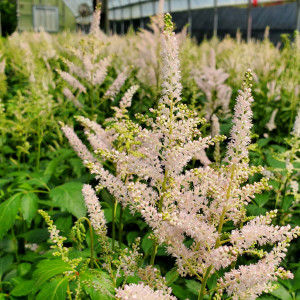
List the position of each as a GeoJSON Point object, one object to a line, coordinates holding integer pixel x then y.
{"type": "Point", "coordinates": [72, 81]}
{"type": "Point", "coordinates": [114, 89]}
{"type": "Point", "coordinates": [296, 129]}
{"type": "Point", "coordinates": [95, 25]}
{"type": "Point", "coordinates": [95, 212]}
{"type": "Point", "coordinates": [141, 292]}
{"type": "Point", "coordinates": [237, 149]}
{"type": "Point", "coordinates": [271, 125]}
{"type": "Point", "coordinates": [69, 95]}
{"type": "Point", "coordinates": [81, 150]}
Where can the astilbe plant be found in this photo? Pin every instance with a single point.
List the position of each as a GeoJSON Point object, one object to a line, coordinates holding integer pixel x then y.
{"type": "Point", "coordinates": [88, 69]}
{"type": "Point", "coordinates": [198, 214]}
{"type": "Point", "coordinates": [211, 80]}
{"type": "Point", "coordinates": [284, 172]}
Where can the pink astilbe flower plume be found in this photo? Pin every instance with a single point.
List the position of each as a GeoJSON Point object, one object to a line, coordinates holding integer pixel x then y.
{"type": "Point", "coordinates": [94, 209]}
{"type": "Point", "coordinates": [142, 292]}
{"type": "Point", "coordinates": [152, 177]}
{"type": "Point", "coordinates": [114, 89]}
{"type": "Point", "coordinates": [95, 25]}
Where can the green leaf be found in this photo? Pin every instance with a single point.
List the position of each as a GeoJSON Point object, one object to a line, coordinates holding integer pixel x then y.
{"type": "Point", "coordinates": [181, 292]}
{"type": "Point", "coordinates": [64, 224]}
{"type": "Point", "coordinates": [77, 165]}
{"type": "Point", "coordinates": [262, 199]}
{"type": "Point", "coordinates": [287, 202]}
{"type": "Point", "coordinates": [296, 281]}
{"type": "Point", "coordinates": [253, 210]}
{"type": "Point", "coordinates": [36, 235]}
{"type": "Point", "coordinates": [98, 278]}
{"type": "Point", "coordinates": [53, 164]}
{"type": "Point", "coordinates": [47, 269]}
{"type": "Point", "coordinates": [8, 213]}
{"type": "Point", "coordinates": [54, 290]}
{"type": "Point", "coordinates": [29, 206]}
{"type": "Point", "coordinates": [39, 181]}
{"type": "Point", "coordinates": [5, 263]}
{"type": "Point", "coordinates": [161, 250]}
{"type": "Point", "coordinates": [147, 244]}
{"type": "Point", "coordinates": [193, 286]}
{"type": "Point", "coordinates": [23, 268]}
{"type": "Point", "coordinates": [171, 276]}
{"type": "Point", "coordinates": [212, 281]}
{"type": "Point", "coordinates": [69, 196]}
{"type": "Point", "coordinates": [263, 142]}
{"type": "Point", "coordinates": [281, 293]}
{"type": "Point", "coordinates": [108, 215]}
{"type": "Point", "coordinates": [131, 236]}
{"type": "Point", "coordinates": [23, 288]}
{"type": "Point", "coordinates": [275, 163]}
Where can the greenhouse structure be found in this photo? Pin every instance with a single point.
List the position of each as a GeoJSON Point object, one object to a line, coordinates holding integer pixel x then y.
{"type": "Point", "coordinates": [54, 15]}
{"type": "Point", "coordinates": [205, 17]}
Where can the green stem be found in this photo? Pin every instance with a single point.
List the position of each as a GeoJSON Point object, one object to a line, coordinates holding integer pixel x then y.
{"type": "Point", "coordinates": [153, 254]}
{"type": "Point", "coordinates": [218, 241]}
{"type": "Point", "coordinates": [92, 239]}
{"type": "Point", "coordinates": [69, 292]}
{"type": "Point", "coordinates": [114, 225]}
{"type": "Point", "coordinates": [203, 284]}
{"type": "Point", "coordinates": [19, 161]}
{"type": "Point", "coordinates": [2, 145]}
{"type": "Point", "coordinates": [15, 240]}
{"type": "Point", "coordinates": [160, 205]}
{"type": "Point", "coordinates": [39, 140]}
{"type": "Point", "coordinates": [164, 185]}
{"type": "Point", "coordinates": [121, 225]}
{"type": "Point", "coordinates": [92, 104]}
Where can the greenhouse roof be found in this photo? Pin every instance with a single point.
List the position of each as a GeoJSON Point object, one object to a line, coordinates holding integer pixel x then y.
{"type": "Point", "coordinates": [131, 9]}
{"type": "Point", "coordinates": [74, 4]}
{"type": "Point", "coordinates": [184, 3]}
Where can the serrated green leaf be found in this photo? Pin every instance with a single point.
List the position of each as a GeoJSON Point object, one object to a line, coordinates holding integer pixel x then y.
{"type": "Point", "coordinates": [108, 214]}
{"type": "Point", "coordinates": [147, 244]}
{"type": "Point", "coordinates": [29, 206]}
{"type": "Point", "coordinates": [36, 236]}
{"type": "Point", "coordinates": [262, 142]}
{"type": "Point", "coordinates": [47, 269]}
{"type": "Point", "coordinates": [161, 250]}
{"type": "Point", "coordinates": [77, 165]}
{"type": "Point", "coordinates": [275, 163]}
{"type": "Point", "coordinates": [8, 213]}
{"type": "Point", "coordinates": [181, 292]}
{"type": "Point", "coordinates": [281, 293]}
{"type": "Point", "coordinates": [23, 268]}
{"type": "Point", "coordinates": [253, 210]}
{"type": "Point", "coordinates": [100, 279]}
{"type": "Point", "coordinates": [54, 290]}
{"type": "Point", "coordinates": [53, 164]}
{"type": "Point", "coordinates": [131, 236]}
{"type": "Point", "coordinates": [262, 199]}
{"type": "Point", "coordinates": [171, 276]}
{"type": "Point", "coordinates": [69, 196]}
{"type": "Point", "coordinates": [212, 281]}
{"type": "Point", "coordinates": [193, 286]}
{"type": "Point", "coordinates": [23, 288]}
